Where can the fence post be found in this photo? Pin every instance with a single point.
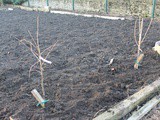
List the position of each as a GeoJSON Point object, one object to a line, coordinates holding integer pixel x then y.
{"type": "Point", "coordinates": [106, 6]}
{"type": "Point", "coordinates": [153, 8]}
{"type": "Point", "coordinates": [2, 2]}
{"type": "Point", "coordinates": [47, 1]}
{"type": "Point", "coordinates": [14, 2]}
{"type": "Point", "coordinates": [73, 5]}
{"type": "Point", "coordinates": [28, 3]}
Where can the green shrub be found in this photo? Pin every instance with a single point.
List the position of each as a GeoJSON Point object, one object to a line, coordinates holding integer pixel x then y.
{"type": "Point", "coordinates": [15, 2]}
{"type": "Point", "coordinates": [1, 1]}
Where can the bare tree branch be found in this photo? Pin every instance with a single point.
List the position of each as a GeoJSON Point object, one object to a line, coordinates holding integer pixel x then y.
{"type": "Point", "coordinates": [32, 67]}
{"type": "Point", "coordinates": [24, 40]}
{"type": "Point", "coordinates": [30, 48]}
{"type": "Point", "coordinates": [38, 31]}
{"type": "Point", "coordinates": [32, 37]}
{"type": "Point", "coordinates": [147, 30]}
{"type": "Point", "coordinates": [50, 47]}
{"type": "Point", "coordinates": [135, 37]}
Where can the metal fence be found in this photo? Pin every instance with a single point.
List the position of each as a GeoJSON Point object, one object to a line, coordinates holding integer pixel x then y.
{"type": "Point", "coordinates": [124, 7]}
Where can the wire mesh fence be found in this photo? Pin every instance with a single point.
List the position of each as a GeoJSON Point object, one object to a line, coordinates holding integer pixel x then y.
{"type": "Point", "coordinates": [118, 7]}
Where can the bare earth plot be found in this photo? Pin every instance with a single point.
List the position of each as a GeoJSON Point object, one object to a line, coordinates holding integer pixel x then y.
{"type": "Point", "coordinates": [79, 82]}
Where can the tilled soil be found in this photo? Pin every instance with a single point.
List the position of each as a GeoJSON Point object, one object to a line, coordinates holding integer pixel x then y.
{"type": "Point", "coordinates": [79, 82]}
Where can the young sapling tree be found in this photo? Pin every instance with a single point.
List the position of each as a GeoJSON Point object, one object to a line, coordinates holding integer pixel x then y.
{"type": "Point", "coordinates": [140, 40]}
{"type": "Point", "coordinates": [34, 47]}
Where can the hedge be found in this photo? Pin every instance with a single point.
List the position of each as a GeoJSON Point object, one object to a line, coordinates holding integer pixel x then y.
{"type": "Point", "coordinates": [15, 2]}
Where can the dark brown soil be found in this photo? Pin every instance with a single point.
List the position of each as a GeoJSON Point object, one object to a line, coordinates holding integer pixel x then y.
{"type": "Point", "coordinates": [79, 82]}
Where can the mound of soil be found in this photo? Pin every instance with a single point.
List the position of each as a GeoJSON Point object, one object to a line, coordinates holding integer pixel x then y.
{"type": "Point", "coordinates": [79, 82]}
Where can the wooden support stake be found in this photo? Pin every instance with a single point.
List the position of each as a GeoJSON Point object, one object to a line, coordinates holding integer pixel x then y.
{"type": "Point", "coordinates": [38, 97]}
{"type": "Point", "coordinates": [139, 59]}
{"type": "Point", "coordinates": [145, 109]}
{"type": "Point", "coordinates": [10, 118]}
{"type": "Point", "coordinates": [127, 105]}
